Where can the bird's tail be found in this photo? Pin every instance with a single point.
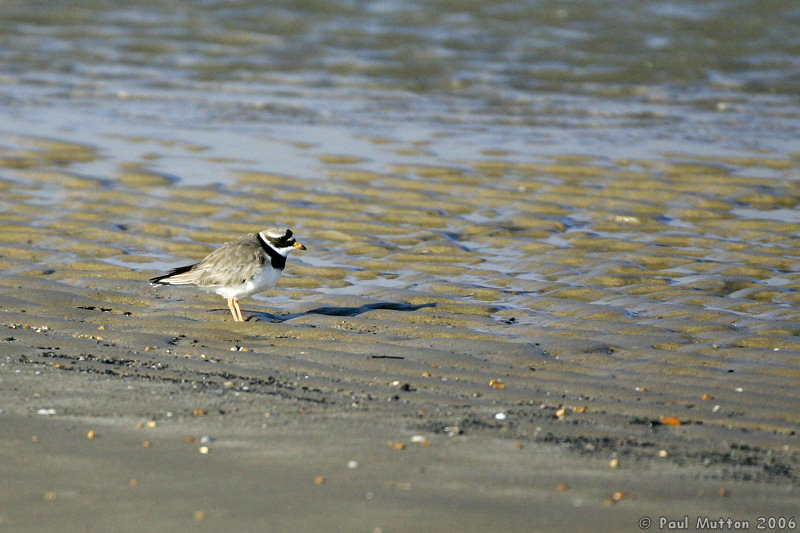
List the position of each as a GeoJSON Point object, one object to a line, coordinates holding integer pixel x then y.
{"type": "Point", "coordinates": [173, 277]}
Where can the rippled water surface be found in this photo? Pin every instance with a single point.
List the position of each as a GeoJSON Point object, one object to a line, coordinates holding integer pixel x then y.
{"type": "Point", "coordinates": [612, 183]}
{"type": "Point", "coordinates": [619, 79]}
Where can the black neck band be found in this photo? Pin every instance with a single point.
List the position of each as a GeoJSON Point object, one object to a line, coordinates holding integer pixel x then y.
{"type": "Point", "coordinates": [276, 260]}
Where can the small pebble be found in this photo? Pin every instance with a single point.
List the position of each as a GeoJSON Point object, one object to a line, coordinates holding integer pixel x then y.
{"type": "Point", "coordinates": [352, 464]}
{"type": "Point", "coordinates": [320, 480]}
{"type": "Point", "coordinates": [619, 496]}
{"type": "Point", "coordinates": [562, 487]}
{"type": "Point", "coordinates": [204, 450]}
{"type": "Point", "coordinates": [613, 463]}
{"type": "Point", "coordinates": [500, 416]}
{"type": "Point", "coordinates": [663, 453]}
{"type": "Point", "coordinates": [147, 444]}
{"type": "Point", "coordinates": [421, 440]}
{"type": "Point", "coordinates": [92, 434]}
{"type": "Point", "coordinates": [670, 421]}
{"type": "Point", "coordinates": [199, 516]}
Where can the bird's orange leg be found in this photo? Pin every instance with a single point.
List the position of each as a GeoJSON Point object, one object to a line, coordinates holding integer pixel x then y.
{"type": "Point", "coordinates": [239, 316]}
{"type": "Point", "coordinates": [233, 305]}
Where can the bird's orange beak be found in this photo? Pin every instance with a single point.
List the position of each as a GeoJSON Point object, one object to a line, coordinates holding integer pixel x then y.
{"type": "Point", "coordinates": [299, 245]}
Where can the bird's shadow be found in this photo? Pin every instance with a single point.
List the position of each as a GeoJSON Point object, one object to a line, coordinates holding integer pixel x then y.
{"type": "Point", "coordinates": [336, 311]}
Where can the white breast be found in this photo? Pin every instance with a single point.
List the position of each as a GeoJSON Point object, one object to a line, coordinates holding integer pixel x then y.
{"type": "Point", "coordinates": [266, 279]}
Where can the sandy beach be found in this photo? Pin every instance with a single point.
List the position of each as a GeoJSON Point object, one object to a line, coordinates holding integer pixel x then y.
{"type": "Point", "coordinates": [417, 369]}
{"type": "Point", "coordinates": [551, 284]}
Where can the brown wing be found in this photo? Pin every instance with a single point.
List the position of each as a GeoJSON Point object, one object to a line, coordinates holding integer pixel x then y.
{"type": "Point", "coordinates": [231, 264]}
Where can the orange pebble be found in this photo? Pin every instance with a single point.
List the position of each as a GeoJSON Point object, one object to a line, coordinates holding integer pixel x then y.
{"type": "Point", "coordinates": [670, 421]}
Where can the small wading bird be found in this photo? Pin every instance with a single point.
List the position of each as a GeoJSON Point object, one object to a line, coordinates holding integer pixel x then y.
{"type": "Point", "coordinates": [238, 268]}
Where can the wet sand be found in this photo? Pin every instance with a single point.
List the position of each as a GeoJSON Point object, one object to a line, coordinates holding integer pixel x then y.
{"type": "Point", "coordinates": [575, 343]}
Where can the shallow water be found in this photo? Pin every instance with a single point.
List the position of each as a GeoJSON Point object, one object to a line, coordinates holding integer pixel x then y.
{"type": "Point", "coordinates": [606, 195]}
{"type": "Point", "coordinates": [242, 81]}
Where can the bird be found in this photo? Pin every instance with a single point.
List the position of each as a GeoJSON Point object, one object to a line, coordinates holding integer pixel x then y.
{"type": "Point", "coordinates": [239, 268]}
